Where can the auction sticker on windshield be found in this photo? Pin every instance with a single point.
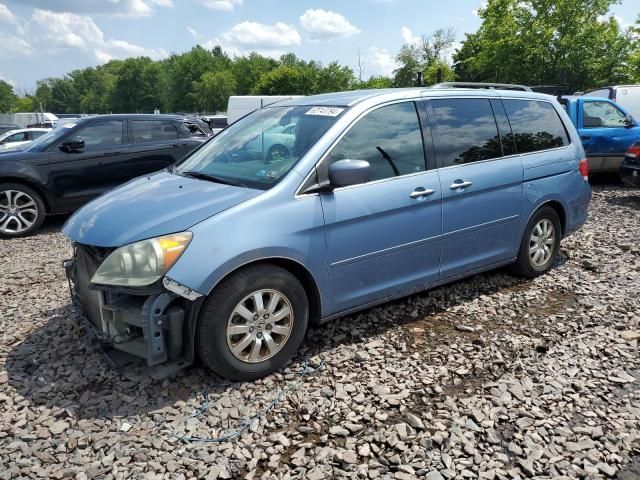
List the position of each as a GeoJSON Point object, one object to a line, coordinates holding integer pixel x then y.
{"type": "Point", "coordinates": [325, 111]}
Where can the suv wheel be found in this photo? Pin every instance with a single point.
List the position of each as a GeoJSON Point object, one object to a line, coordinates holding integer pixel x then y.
{"type": "Point", "coordinates": [22, 210]}
{"type": "Point", "coordinates": [253, 323]}
{"type": "Point", "coordinates": [540, 244]}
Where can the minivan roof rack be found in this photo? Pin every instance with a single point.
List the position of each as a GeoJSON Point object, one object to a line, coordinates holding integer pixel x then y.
{"type": "Point", "coordinates": [489, 86]}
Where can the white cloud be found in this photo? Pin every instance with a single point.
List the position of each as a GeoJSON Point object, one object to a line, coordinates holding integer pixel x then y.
{"type": "Point", "coordinates": [124, 8]}
{"type": "Point", "coordinates": [6, 15]}
{"type": "Point", "coordinates": [381, 61]}
{"type": "Point", "coordinates": [61, 31]}
{"type": "Point", "coordinates": [9, 81]}
{"type": "Point", "coordinates": [192, 31]}
{"type": "Point", "coordinates": [324, 25]}
{"type": "Point", "coordinates": [224, 5]}
{"type": "Point", "coordinates": [259, 35]}
{"type": "Point", "coordinates": [409, 37]}
{"type": "Point", "coordinates": [475, 12]}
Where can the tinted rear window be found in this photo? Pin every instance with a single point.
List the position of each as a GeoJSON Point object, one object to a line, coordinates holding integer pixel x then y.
{"type": "Point", "coordinates": [466, 131]}
{"type": "Point", "coordinates": [535, 125]}
{"type": "Point", "coordinates": [152, 131]}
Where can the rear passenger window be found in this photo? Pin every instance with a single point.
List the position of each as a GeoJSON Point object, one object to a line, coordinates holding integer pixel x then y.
{"type": "Point", "coordinates": [389, 138]}
{"type": "Point", "coordinates": [536, 125]}
{"type": "Point", "coordinates": [466, 131]}
{"type": "Point", "coordinates": [152, 131]}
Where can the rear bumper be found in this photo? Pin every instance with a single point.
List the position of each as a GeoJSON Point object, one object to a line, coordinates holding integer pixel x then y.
{"type": "Point", "coordinates": [604, 164]}
{"type": "Point", "coordinates": [630, 172]}
{"type": "Point", "coordinates": [141, 334]}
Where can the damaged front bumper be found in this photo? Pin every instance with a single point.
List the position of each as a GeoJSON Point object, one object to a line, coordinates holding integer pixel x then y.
{"type": "Point", "coordinates": [142, 331]}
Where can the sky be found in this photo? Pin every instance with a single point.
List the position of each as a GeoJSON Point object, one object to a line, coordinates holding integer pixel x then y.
{"type": "Point", "coordinates": [44, 38]}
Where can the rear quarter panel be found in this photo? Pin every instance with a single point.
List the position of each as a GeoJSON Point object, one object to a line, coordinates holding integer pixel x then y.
{"type": "Point", "coordinates": [554, 176]}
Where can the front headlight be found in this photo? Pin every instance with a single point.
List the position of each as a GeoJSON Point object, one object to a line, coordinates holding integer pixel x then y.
{"type": "Point", "coordinates": [142, 263]}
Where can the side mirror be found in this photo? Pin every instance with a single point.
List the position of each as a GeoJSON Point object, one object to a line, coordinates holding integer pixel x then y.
{"type": "Point", "coordinates": [72, 146]}
{"type": "Point", "coordinates": [628, 121]}
{"type": "Point", "coordinates": [349, 172]}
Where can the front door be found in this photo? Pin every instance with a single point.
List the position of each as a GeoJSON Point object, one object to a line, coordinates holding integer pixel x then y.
{"type": "Point", "coordinates": [383, 237]}
{"type": "Point", "coordinates": [80, 175]}
{"type": "Point", "coordinates": [481, 188]}
{"type": "Point", "coordinates": [605, 135]}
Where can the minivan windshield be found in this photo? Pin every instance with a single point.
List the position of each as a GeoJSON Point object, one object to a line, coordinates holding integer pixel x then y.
{"type": "Point", "coordinates": [259, 149]}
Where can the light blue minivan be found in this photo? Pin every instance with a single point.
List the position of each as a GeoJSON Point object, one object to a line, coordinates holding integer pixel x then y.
{"type": "Point", "coordinates": [366, 197]}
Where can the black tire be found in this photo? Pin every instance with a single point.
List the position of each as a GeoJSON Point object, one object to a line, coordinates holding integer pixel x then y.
{"type": "Point", "coordinates": [37, 217]}
{"type": "Point", "coordinates": [212, 344]}
{"type": "Point", "coordinates": [281, 149]}
{"type": "Point", "coordinates": [525, 266]}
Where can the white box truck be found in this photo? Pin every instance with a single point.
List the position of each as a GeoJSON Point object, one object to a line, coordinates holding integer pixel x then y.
{"type": "Point", "coordinates": [241, 105]}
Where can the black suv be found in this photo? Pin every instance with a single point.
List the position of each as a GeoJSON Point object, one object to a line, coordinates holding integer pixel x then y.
{"type": "Point", "coordinates": [67, 167]}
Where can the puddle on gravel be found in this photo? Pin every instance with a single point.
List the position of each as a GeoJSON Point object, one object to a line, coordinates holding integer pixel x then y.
{"type": "Point", "coordinates": [445, 327]}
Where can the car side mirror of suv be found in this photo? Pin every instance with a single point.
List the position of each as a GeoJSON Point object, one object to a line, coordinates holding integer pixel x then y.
{"type": "Point", "coordinates": [349, 172]}
{"type": "Point", "coordinates": [72, 146]}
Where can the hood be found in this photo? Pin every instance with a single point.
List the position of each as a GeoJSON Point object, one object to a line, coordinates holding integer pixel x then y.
{"type": "Point", "coordinates": [150, 206]}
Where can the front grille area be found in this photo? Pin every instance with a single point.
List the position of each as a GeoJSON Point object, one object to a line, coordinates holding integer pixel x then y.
{"type": "Point", "coordinates": [87, 262]}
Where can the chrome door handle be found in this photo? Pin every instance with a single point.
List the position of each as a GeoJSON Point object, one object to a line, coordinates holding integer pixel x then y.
{"type": "Point", "coordinates": [459, 185]}
{"type": "Point", "coordinates": [417, 193]}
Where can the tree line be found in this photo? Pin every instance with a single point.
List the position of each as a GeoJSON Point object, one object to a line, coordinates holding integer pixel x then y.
{"type": "Point", "coordinates": [575, 44]}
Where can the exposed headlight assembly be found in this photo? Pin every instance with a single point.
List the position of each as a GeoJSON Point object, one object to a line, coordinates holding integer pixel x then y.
{"type": "Point", "coordinates": [142, 263]}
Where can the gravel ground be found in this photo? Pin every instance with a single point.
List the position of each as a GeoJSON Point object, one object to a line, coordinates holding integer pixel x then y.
{"type": "Point", "coordinates": [491, 377]}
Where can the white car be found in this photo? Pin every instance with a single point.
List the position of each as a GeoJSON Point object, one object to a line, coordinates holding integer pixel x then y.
{"type": "Point", "coordinates": [18, 137]}
{"type": "Point", "coordinates": [275, 143]}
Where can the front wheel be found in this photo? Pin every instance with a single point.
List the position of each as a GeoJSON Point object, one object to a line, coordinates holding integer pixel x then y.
{"type": "Point", "coordinates": [22, 210]}
{"type": "Point", "coordinates": [540, 244]}
{"type": "Point", "coordinates": [253, 322]}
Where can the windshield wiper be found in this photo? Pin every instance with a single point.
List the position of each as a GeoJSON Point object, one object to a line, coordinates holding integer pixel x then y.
{"type": "Point", "coordinates": [213, 178]}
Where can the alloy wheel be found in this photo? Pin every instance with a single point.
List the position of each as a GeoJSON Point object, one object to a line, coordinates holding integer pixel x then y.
{"type": "Point", "coordinates": [18, 211]}
{"type": "Point", "coordinates": [541, 242]}
{"type": "Point", "coordinates": [259, 326]}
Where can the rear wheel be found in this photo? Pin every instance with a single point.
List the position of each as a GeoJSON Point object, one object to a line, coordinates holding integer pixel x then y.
{"type": "Point", "coordinates": [22, 210]}
{"type": "Point", "coordinates": [253, 322]}
{"type": "Point", "coordinates": [540, 244]}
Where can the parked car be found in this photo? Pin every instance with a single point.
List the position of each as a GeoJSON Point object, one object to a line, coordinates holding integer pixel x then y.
{"type": "Point", "coordinates": [217, 123]}
{"type": "Point", "coordinates": [68, 166]}
{"type": "Point", "coordinates": [627, 96]}
{"type": "Point", "coordinates": [275, 143]}
{"type": "Point", "coordinates": [630, 167]}
{"type": "Point", "coordinates": [605, 128]}
{"type": "Point", "coordinates": [5, 127]}
{"type": "Point", "coordinates": [385, 193]}
{"type": "Point", "coordinates": [241, 105]}
{"type": "Point", "coordinates": [20, 137]}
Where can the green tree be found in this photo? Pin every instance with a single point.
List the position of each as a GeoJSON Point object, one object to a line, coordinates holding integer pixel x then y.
{"type": "Point", "coordinates": [375, 82]}
{"type": "Point", "coordinates": [185, 70]}
{"type": "Point", "coordinates": [7, 97]}
{"type": "Point", "coordinates": [567, 42]}
{"type": "Point", "coordinates": [248, 70]}
{"type": "Point", "coordinates": [213, 90]}
{"type": "Point", "coordinates": [428, 56]}
{"type": "Point", "coordinates": [138, 86]}
{"type": "Point", "coordinates": [334, 78]}
{"type": "Point", "coordinates": [287, 80]}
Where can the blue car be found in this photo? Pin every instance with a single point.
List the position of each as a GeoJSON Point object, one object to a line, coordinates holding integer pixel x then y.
{"type": "Point", "coordinates": [231, 254]}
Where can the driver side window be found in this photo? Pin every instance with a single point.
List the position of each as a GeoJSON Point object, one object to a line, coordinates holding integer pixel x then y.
{"type": "Point", "coordinates": [602, 114]}
{"type": "Point", "coordinates": [389, 138]}
{"type": "Point", "coordinates": [100, 134]}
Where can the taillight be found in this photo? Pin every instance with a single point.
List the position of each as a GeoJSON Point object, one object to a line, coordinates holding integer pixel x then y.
{"type": "Point", "coordinates": [634, 151]}
{"type": "Point", "coordinates": [584, 169]}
